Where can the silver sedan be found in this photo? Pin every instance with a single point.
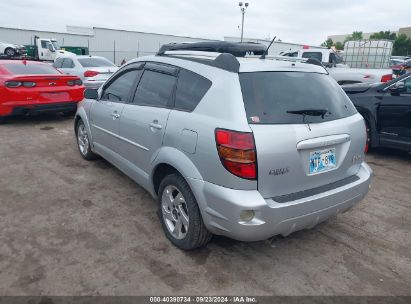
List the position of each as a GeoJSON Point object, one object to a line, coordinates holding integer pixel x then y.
{"type": "Point", "coordinates": [92, 70]}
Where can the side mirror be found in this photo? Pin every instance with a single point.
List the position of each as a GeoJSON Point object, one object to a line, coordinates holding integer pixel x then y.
{"type": "Point", "coordinates": [398, 87]}
{"type": "Point", "coordinates": [51, 48]}
{"type": "Point", "coordinates": [91, 94]}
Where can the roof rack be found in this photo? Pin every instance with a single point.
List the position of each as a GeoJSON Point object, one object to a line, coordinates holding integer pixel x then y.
{"type": "Point", "coordinates": [238, 49]}
{"type": "Point", "coordinates": [224, 61]}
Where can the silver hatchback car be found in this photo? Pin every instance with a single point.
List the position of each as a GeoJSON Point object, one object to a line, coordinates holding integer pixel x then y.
{"type": "Point", "coordinates": [247, 148]}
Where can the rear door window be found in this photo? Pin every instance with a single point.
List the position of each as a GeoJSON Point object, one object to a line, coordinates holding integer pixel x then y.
{"type": "Point", "coordinates": [120, 88]}
{"type": "Point", "coordinates": [191, 88]}
{"type": "Point", "coordinates": [58, 63]}
{"type": "Point", "coordinates": [270, 96]}
{"type": "Point", "coordinates": [67, 63]}
{"type": "Point", "coordinates": [155, 89]}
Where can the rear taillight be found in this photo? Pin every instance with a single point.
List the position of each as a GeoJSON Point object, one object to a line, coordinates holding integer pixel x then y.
{"type": "Point", "coordinates": [74, 82]}
{"type": "Point", "coordinates": [17, 84]}
{"type": "Point", "coordinates": [237, 152]}
{"type": "Point", "coordinates": [29, 84]}
{"type": "Point", "coordinates": [13, 84]}
{"type": "Point", "coordinates": [91, 73]}
{"type": "Point", "coordinates": [367, 136]}
{"type": "Point", "coordinates": [386, 78]}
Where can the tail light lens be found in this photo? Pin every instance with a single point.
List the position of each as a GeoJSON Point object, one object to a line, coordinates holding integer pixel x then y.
{"type": "Point", "coordinates": [13, 84]}
{"type": "Point", "coordinates": [367, 136]}
{"type": "Point", "coordinates": [74, 82]}
{"type": "Point", "coordinates": [29, 84]}
{"type": "Point", "coordinates": [17, 84]}
{"type": "Point", "coordinates": [386, 78]}
{"type": "Point", "coordinates": [237, 152]}
{"type": "Point", "coordinates": [91, 73]}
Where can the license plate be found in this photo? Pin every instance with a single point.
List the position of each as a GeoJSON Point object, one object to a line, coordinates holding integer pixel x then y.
{"type": "Point", "coordinates": [323, 160]}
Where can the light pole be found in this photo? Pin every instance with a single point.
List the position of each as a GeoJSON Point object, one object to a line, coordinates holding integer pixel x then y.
{"type": "Point", "coordinates": [243, 7]}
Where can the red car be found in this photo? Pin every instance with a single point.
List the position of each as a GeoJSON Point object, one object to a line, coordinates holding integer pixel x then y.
{"type": "Point", "coordinates": [28, 87]}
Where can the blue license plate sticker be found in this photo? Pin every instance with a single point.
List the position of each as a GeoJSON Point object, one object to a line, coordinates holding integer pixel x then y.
{"type": "Point", "coordinates": [323, 160]}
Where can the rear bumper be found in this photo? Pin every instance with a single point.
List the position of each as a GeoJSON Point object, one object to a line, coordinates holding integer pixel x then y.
{"type": "Point", "coordinates": [221, 208]}
{"type": "Point", "coordinates": [37, 108]}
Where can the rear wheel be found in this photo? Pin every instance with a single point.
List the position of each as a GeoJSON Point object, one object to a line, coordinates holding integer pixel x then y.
{"type": "Point", "coordinates": [179, 214]}
{"type": "Point", "coordinates": [83, 141]}
{"type": "Point", "coordinates": [10, 52]}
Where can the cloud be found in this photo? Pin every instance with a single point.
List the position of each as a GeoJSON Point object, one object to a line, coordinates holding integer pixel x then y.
{"type": "Point", "coordinates": [300, 21]}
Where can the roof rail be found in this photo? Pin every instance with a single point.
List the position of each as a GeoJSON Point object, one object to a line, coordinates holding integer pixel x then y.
{"type": "Point", "coordinates": [224, 61]}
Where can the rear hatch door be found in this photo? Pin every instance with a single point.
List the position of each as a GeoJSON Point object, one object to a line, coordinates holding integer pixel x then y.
{"type": "Point", "coordinates": [307, 132]}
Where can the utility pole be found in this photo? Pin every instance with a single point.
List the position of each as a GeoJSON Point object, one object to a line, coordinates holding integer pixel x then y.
{"type": "Point", "coordinates": [243, 7]}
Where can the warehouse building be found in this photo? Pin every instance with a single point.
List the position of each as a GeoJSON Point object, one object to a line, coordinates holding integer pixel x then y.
{"type": "Point", "coordinates": [115, 44]}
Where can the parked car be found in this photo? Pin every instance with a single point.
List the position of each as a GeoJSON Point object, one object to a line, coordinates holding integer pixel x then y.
{"type": "Point", "coordinates": [399, 69]}
{"type": "Point", "coordinates": [11, 50]}
{"type": "Point", "coordinates": [386, 109]}
{"type": "Point", "coordinates": [92, 70]}
{"type": "Point", "coordinates": [28, 87]}
{"type": "Point", "coordinates": [247, 148]}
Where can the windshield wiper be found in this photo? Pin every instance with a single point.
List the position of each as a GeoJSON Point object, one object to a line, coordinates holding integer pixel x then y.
{"type": "Point", "coordinates": [310, 112]}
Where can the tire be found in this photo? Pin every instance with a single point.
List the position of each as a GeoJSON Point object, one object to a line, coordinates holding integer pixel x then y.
{"type": "Point", "coordinates": [179, 214]}
{"type": "Point", "coordinates": [83, 142]}
{"type": "Point", "coordinates": [10, 52]}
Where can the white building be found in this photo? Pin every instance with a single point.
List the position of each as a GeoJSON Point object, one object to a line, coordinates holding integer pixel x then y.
{"type": "Point", "coordinates": [114, 44]}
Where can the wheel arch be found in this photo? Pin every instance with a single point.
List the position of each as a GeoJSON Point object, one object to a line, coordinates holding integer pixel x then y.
{"type": "Point", "coordinates": [171, 160]}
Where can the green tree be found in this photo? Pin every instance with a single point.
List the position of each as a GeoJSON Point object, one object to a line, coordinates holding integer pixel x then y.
{"type": "Point", "coordinates": [328, 43]}
{"type": "Point", "coordinates": [402, 46]}
{"type": "Point", "coordinates": [356, 35]}
{"type": "Point", "coordinates": [384, 35]}
{"type": "Point", "coordinates": [339, 45]}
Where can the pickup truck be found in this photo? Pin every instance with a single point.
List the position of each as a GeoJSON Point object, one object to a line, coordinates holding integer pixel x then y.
{"type": "Point", "coordinates": [341, 72]}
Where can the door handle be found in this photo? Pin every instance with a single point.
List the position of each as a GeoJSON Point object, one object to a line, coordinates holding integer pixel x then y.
{"type": "Point", "coordinates": [155, 125]}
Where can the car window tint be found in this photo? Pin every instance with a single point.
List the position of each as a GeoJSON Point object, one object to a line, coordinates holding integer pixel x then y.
{"type": "Point", "coordinates": [58, 63]}
{"type": "Point", "coordinates": [20, 68]}
{"type": "Point", "coordinates": [154, 89]}
{"type": "Point", "coordinates": [191, 88]}
{"type": "Point", "coordinates": [270, 96]}
{"type": "Point", "coordinates": [315, 55]}
{"type": "Point", "coordinates": [94, 62]}
{"type": "Point", "coordinates": [67, 63]}
{"type": "Point", "coordinates": [119, 89]}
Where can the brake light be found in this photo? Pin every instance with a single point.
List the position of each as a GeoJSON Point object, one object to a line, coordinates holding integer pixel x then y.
{"type": "Point", "coordinates": [17, 84]}
{"type": "Point", "coordinates": [386, 78]}
{"type": "Point", "coordinates": [74, 82]}
{"type": "Point", "coordinates": [237, 152]}
{"type": "Point", "coordinates": [91, 73]}
{"type": "Point", "coordinates": [367, 137]}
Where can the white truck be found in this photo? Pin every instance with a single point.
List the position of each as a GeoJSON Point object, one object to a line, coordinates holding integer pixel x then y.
{"type": "Point", "coordinates": [45, 49]}
{"type": "Point", "coordinates": [341, 72]}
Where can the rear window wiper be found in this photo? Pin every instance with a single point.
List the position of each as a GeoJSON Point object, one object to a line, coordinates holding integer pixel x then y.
{"type": "Point", "coordinates": [310, 112]}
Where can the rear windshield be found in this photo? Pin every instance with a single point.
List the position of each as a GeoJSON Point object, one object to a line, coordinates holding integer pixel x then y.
{"type": "Point", "coordinates": [30, 68]}
{"type": "Point", "coordinates": [95, 62]}
{"type": "Point", "coordinates": [270, 96]}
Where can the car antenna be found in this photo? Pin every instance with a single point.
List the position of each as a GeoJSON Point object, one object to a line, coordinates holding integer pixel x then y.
{"type": "Point", "coordinates": [266, 51]}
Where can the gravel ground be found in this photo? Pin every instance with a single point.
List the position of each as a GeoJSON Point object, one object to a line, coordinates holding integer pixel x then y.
{"type": "Point", "coordinates": [72, 227]}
